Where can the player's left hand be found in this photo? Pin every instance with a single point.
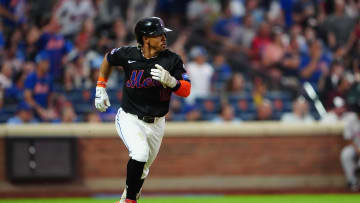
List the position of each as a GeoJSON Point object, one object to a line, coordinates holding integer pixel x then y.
{"type": "Point", "coordinates": [163, 76]}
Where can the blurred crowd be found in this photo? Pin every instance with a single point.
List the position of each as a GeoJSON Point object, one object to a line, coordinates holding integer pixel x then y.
{"type": "Point", "coordinates": [247, 59]}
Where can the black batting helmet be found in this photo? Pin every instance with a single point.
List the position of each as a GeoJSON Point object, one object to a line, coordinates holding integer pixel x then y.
{"type": "Point", "coordinates": [151, 26]}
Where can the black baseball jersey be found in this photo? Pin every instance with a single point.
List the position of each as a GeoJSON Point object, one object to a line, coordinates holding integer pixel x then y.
{"type": "Point", "coordinates": [142, 95]}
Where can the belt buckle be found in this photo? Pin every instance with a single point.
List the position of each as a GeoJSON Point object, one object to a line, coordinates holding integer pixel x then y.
{"type": "Point", "coordinates": [148, 119]}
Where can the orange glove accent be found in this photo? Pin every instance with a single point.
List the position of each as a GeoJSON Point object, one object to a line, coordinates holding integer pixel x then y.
{"type": "Point", "coordinates": [101, 82]}
{"type": "Point", "coordinates": [184, 89]}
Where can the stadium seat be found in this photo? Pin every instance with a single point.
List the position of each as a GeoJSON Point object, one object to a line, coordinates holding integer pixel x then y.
{"type": "Point", "coordinates": [242, 103]}
{"type": "Point", "coordinates": [10, 109]}
{"type": "Point", "coordinates": [82, 108]}
{"type": "Point", "coordinates": [210, 104]}
{"type": "Point", "coordinates": [5, 116]}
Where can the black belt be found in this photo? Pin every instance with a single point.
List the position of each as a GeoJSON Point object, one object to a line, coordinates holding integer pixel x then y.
{"type": "Point", "coordinates": [147, 119]}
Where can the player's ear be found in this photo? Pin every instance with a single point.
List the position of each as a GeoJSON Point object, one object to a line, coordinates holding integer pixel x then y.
{"type": "Point", "coordinates": [145, 39]}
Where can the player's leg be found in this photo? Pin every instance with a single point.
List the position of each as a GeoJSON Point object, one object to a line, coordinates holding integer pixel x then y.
{"type": "Point", "coordinates": [132, 133]}
{"type": "Point", "coordinates": [348, 163]}
{"type": "Point", "coordinates": [155, 136]}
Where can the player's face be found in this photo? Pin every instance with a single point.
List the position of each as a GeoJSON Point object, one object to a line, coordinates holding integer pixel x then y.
{"type": "Point", "coordinates": [158, 43]}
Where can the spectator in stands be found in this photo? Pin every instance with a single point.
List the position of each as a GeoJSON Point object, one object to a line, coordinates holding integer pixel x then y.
{"type": "Point", "coordinates": [296, 33]}
{"type": "Point", "coordinates": [92, 117]}
{"type": "Point", "coordinates": [176, 104]}
{"type": "Point", "coordinates": [28, 47]}
{"type": "Point", "coordinates": [40, 10]}
{"type": "Point", "coordinates": [259, 90]}
{"type": "Point", "coordinates": [338, 27]}
{"type": "Point", "coordinates": [192, 113]}
{"type": "Point", "coordinates": [200, 73]}
{"type": "Point", "coordinates": [264, 111]}
{"type": "Point", "coordinates": [71, 14]}
{"type": "Point", "coordinates": [222, 71]}
{"type": "Point", "coordinates": [199, 11]}
{"type": "Point", "coordinates": [15, 93]}
{"type": "Point", "coordinates": [291, 60]}
{"type": "Point", "coordinates": [352, 50]}
{"type": "Point", "coordinates": [304, 11]}
{"type": "Point", "coordinates": [225, 28]}
{"type": "Point", "coordinates": [1, 98]}
{"type": "Point", "coordinates": [260, 41]}
{"type": "Point", "coordinates": [107, 12]}
{"type": "Point", "coordinates": [2, 39]}
{"type": "Point", "coordinates": [139, 9]}
{"type": "Point", "coordinates": [23, 115]}
{"type": "Point", "coordinates": [68, 114]}
{"type": "Point", "coordinates": [299, 114]}
{"type": "Point", "coordinates": [85, 38]}
{"type": "Point", "coordinates": [274, 14]}
{"type": "Point", "coordinates": [338, 113]}
{"type": "Point", "coordinates": [330, 82]}
{"type": "Point", "coordinates": [56, 47]}
{"type": "Point", "coordinates": [38, 88]}
{"type": "Point", "coordinates": [254, 9]}
{"type": "Point", "coordinates": [176, 110]}
{"type": "Point", "coordinates": [77, 74]}
{"type": "Point", "coordinates": [350, 154]}
{"type": "Point", "coordinates": [246, 33]}
{"type": "Point", "coordinates": [11, 53]}
{"type": "Point", "coordinates": [13, 13]}
{"type": "Point", "coordinates": [208, 106]}
{"type": "Point", "coordinates": [235, 84]}
{"type": "Point", "coordinates": [314, 64]}
{"type": "Point", "coordinates": [273, 53]}
{"type": "Point", "coordinates": [227, 114]}
{"type": "Point", "coordinates": [179, 45]}
{"type": "Point", "coordinates": [6, 75]}
{"type": "Point", "coordinates": [341, 90]}
{"type": "Point", "coordinates": [118, 33]}
{"type": "Point", "coordinates": [352, 8]}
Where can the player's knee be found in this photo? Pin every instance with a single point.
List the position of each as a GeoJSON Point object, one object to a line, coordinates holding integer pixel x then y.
{"type": "Point", "coordinates": [347, 153]}
{"type": "Point", "coordinates": [141, 156]}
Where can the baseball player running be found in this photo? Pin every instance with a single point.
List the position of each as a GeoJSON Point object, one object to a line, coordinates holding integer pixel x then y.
{"type": "Point", "coordinates": [152, 74]}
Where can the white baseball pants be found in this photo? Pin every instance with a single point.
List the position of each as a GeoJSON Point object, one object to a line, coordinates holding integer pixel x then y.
{"type": "Point", "coordinates": [143, 140]}
{"type": "Point", "coordinates": [348, 163]}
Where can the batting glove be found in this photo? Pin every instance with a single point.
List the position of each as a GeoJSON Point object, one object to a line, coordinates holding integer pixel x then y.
{"type": "Point", "coordinates": [163, 76]}
{"type": "Point", "coordinates": [101, 99]}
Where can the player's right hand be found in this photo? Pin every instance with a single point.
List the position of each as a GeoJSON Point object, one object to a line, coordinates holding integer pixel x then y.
{"type": "Point", "coordinates": [101, 99]}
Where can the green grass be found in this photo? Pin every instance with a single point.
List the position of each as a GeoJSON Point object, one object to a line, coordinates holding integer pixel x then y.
{"type": "Point", "coordinates": [325, 198]}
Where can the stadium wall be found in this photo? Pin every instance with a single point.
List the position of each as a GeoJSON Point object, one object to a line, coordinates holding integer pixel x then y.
{"type": "Point", "coordinates": [197, 157]}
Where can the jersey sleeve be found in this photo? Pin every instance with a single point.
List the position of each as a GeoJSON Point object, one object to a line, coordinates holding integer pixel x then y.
{"type": "Point", "coordinates": [116, 57]}
{"type": "Point", "coordinates": [179, 71]}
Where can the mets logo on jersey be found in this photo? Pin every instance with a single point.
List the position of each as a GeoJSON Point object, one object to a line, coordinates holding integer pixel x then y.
{"type": "Point", "coordinates": [114, 50]}
{"type": "Point", "coordinates": [135, 80]}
